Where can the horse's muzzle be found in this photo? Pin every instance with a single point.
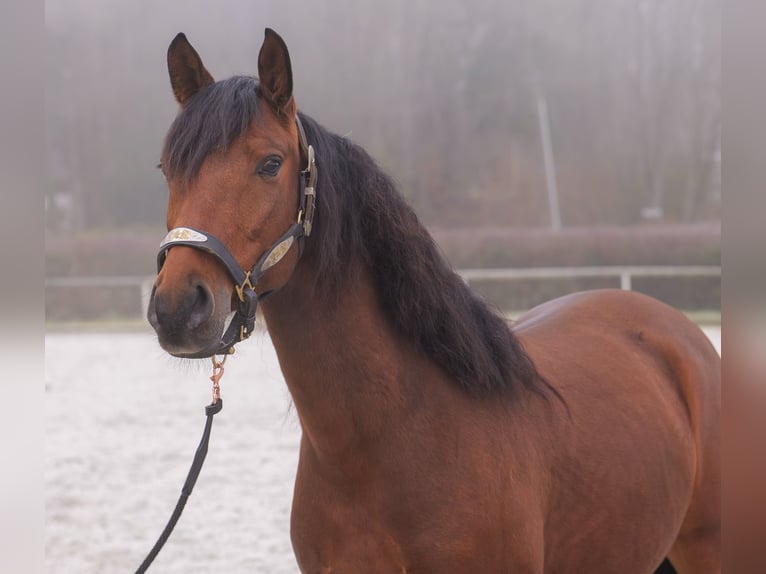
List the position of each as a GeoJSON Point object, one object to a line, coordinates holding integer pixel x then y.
{"type": "Point", "coordinates": [185, 319]}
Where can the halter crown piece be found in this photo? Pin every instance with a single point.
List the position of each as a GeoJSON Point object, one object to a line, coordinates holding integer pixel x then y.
{"type": "Point", "coordinates": [241, 324]}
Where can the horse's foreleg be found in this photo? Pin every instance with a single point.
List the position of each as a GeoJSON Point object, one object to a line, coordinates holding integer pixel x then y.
{"type": "Point", "coordinates": [665, 568]}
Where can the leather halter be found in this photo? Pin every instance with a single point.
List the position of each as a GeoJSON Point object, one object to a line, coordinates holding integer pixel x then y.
{"type": "Point", "coordinates": [242, 322]}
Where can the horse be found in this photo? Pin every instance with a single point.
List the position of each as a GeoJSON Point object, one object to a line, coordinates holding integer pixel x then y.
{"type": "Point", "coordinates": [436, 435]}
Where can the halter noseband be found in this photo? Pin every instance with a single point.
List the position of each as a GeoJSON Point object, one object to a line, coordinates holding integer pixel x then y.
{"type": "Point", "coordinates": [243, 321]}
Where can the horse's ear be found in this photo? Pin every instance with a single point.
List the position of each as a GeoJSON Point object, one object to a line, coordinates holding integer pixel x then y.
{"type": "Point", "coordinates": [187, 73]}
{"type": "Point", "coordinates": [275, 73]}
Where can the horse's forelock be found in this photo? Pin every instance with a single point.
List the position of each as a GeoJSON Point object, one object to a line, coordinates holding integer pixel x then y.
{"type": "Point", "coordinates": [210, 122]}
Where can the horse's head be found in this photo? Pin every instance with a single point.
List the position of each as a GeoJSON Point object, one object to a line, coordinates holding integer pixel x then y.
{"type": "Point", "coordinates": [232, 160]}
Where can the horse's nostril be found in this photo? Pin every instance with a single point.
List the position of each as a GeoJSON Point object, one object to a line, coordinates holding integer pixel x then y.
{"type": "Point", "coordinates": [201, 306]}
{"type": "Point", "coordinates": [151, 310]}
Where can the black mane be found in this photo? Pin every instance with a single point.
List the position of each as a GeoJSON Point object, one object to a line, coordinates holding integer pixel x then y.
{"type": "Point", "coordinates": [361, 219]}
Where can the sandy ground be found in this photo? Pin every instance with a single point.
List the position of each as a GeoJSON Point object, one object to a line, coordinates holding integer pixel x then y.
{"type": "Point", "coordinates": [122, 423]}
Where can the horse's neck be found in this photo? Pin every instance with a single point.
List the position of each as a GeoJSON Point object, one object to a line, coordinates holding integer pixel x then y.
{"type": "Point", "coordinates": [345, 367]}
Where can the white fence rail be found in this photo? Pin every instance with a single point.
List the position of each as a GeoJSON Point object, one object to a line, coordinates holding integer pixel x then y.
{"type": "Point", "coordinates": [625, 274]}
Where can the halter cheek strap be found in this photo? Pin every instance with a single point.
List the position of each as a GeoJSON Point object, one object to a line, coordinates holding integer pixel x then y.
{"type": "Point", "coordinates": [242, 322]}
{"type": "Point", "coordinates": [308, 180]}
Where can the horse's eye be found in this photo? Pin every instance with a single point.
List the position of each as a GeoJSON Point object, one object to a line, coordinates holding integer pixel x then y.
{"type": "Point", "coordinates": [269, 166]}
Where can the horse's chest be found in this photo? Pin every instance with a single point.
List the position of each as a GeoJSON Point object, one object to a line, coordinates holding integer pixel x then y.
{"type": "Point", "coordinates": [341, 542]}
{"type": "Point", "coordinates": [441, 518]}
{"type": "Point", "coordinates": [339, 539]}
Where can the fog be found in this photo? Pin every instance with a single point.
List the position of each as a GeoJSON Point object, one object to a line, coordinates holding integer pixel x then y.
{"type": "Point", "coordinates": [448, 96]}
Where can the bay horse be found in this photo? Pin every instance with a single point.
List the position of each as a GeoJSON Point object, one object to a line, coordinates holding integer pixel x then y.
{"type": "Point", "coordinates": [436, 437]}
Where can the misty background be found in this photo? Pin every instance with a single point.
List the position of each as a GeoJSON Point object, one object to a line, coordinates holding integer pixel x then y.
{"type": "Point", "coordinates": [454, 99]}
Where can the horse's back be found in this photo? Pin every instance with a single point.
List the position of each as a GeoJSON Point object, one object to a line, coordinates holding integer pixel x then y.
{"type": "Point", "coordinates": [632, 325]}
{"type": "Point", "coordinates": [641, 384]}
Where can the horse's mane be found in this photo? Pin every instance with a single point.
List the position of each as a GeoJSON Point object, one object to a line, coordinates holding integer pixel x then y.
{"type": "Point", "coordinates": [362, 220]}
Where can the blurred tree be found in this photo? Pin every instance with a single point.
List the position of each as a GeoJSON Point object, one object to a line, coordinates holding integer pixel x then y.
{"type": "Point", "coordinates": [443, 94]}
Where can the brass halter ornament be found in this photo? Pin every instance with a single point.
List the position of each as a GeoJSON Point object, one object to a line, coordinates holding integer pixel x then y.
{"type": "Point", "coordinates": [242, 323]}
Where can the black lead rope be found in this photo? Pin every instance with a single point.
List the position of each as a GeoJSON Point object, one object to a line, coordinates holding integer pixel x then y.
{"type": "Point", "coordinates": [191, 479]}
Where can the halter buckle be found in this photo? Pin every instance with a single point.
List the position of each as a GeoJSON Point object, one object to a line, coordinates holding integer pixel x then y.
{"type": "Point", "coordinates": [245, 284]}
{"type": "Point", "coordinates": [243, 333]}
